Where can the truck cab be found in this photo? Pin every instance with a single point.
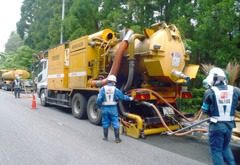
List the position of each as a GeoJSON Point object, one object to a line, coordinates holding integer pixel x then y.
{"type": "Point", "coordinates": [42, 77]}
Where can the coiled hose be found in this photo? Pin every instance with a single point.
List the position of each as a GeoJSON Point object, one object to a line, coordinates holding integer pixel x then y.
{"type": "Point", "coordinates": [161, 118]}
{"type": "Point", "coordinates": [160, 97]}
{"type": "Point", "coordinates": [165, 125]}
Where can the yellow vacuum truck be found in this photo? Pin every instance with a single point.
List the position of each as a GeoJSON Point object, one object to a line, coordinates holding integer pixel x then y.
{"type": "Point", "coordinates": [8, 76]}
{"type": "Point", "coordinates": [151, 67]}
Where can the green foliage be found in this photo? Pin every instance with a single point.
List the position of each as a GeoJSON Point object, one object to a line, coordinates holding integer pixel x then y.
{"type": "Point", "coordinates": [217, 33]}
{"type": "Point", "coordinates": [27, 17]}
{"type": "Point", "coordinates": [197, 82]}
{"type": "Point", "coordinates": [7, 60]}
{"type": "Point", "coordinates": [192, 105]}
{"type": "Point", "coordinates": [13, 43]}
{"type": "Point", "coordinates": [82, 19]}
{"type": "Point", "coordinates": [21, 59]}
{"type": "Point", "coordinates": [136, 28]}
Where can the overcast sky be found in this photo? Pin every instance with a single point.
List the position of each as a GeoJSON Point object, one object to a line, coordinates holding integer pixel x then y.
{"type": "Point", "coordinates": [9, 16]}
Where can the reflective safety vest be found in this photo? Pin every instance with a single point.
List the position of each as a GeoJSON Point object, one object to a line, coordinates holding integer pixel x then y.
{"type": "Point", "coordinates": [17, 84]}
{"type": "Point", "coordinates": [223, 105]}
{"type": "Point", "coordinates": [109, 95]}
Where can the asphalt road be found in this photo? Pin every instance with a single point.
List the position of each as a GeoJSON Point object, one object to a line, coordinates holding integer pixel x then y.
{"type": "Point", "coordinates": [50, 136]}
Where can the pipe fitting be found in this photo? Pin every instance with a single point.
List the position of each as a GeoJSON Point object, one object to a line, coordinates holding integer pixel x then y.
{"type": "Point", "coordinates": [180, 75]}
{"type": "Point", "coordinates": [92, 44]}
{"type": "Point", "coordinates": [147, 103]}
{"type": "Point", "coordinates": [130, 75]}
{"type": "Point", "coordinates": [128, 36]}
{"type": "Point", "coordinates": [131, 47]}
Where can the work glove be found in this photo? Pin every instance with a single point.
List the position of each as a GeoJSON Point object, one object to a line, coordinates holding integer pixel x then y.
{"type": "Point", "coordinates": [131, 98]}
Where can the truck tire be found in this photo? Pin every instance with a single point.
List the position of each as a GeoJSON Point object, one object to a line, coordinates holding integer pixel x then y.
{"type": "Point", "coordinates": [79, 106]}
{"type": "Point", "coordinates": [43, 98]}
{"type": "Point", "coordinates": [93, 113]}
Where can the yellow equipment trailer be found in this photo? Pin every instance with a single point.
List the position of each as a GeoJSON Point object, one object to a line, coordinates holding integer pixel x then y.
{"type": "Point", "coordinates": [151, 67]}
{"type": "Point", "coordinates": [8, 76]}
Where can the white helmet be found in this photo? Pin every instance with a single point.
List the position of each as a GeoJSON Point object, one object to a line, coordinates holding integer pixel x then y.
{"type": "Point", "coordinates": [112, 78]}
{"type": "Point", "coordinates": [217, 71]}
{"type": "Point", "coordinates": [216, 76]}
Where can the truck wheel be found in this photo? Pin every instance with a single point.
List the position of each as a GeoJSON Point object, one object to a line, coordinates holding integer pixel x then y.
{"type": "Point", "coordinates": [79, 106]}
{"type": "Point", "coordinates": [43, 98]}
{"type": "Point", "coordinates": [93, 113]}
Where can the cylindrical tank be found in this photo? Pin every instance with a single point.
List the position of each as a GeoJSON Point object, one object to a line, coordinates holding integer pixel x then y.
{"type": "Point", "coordinates": [11, 75]}
{"type": "Point", "coordinates": [106, 35]}
{"type": "Point", "coordinates": [161, 53]}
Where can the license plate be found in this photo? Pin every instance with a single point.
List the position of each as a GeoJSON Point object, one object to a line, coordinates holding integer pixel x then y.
{"type": "Point", "coordinates": [28, 89]}
{"type": "Point", "coordinates": [168, 111]}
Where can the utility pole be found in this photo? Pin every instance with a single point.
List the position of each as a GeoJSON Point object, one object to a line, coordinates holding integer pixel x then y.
{"type": "Point", "coordinates": [63, 11]}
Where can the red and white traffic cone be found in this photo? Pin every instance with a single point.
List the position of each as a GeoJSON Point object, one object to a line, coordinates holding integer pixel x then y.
{"type": "Point", "coordinates": [34, 103]}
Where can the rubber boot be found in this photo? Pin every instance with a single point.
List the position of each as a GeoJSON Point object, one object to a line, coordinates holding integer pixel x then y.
{"type": "Point", "coordinates": [116, 132]}
{"type": "Point", "coordinates": [105, 133]}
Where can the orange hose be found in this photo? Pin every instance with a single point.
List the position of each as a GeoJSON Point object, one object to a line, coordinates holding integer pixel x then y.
{"type": "Point", "coordinates": [160, 97]}
{"type": "Point", "coordinates": [237, 115]}
{"type": "Point", "coordinates": [125, 123]}
{"type": "Point", "coordinates": [177, 134]}
{"type": "Point", "coordinates": [176, 96]}
{"type": "Point", "coordinates": [115, 66]}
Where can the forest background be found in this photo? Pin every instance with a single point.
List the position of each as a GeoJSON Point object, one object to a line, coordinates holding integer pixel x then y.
{"type": "Point", "coordinates": [209, 28]}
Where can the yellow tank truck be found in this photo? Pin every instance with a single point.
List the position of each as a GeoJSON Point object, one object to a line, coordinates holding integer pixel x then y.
{"type": "Point", "coordinates": [151, 67]}
{"type": "Point", "coordinates": [8, 76]}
